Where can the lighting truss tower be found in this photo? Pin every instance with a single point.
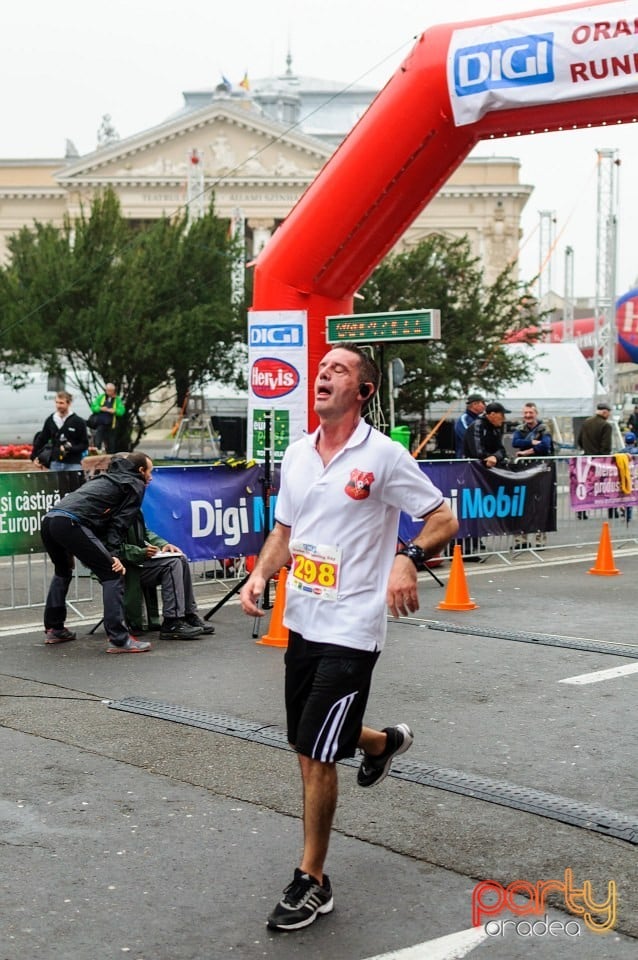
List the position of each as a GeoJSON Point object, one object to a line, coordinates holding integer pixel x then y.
{"type": "Point", "coordinates": [568, 310]}
{"type": "Point", "coordinates": [546, 247]}
{"type": "Point", "coordinates": [606, 238]}
{"type": "Point", "coordinates": [195, 199]}
{"type": "Point", "coordinates": [238, 271]}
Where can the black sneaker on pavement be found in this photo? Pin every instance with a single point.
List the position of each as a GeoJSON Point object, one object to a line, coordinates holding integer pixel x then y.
{"type": "Point", "coordinates": [375, 769]}
{"type": "Point", "coordinates": [178, 630]}
{"type": "Point", "coordinates": [61, 635]}
{"type": "Point", "coordinates": [194, 620]}
{"type": "Point", "coordinates": [302, 901]}
{"type": "Point", "coordinates": [132, 645]}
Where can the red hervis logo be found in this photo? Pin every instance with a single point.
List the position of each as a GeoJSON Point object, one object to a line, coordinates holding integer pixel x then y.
{"type": "Point", "coordinates": [271, 377]}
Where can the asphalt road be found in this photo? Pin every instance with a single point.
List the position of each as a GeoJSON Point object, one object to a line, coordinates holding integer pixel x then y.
{"type": "Point", "coordinates": [126, 835]}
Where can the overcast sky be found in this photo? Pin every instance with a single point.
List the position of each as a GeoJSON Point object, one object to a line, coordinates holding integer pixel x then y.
{"type": "Point", "coordinates": [67, 63]}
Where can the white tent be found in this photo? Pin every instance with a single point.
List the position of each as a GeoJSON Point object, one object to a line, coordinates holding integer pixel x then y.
{"type": "Point", "coordinates": [561, 382]}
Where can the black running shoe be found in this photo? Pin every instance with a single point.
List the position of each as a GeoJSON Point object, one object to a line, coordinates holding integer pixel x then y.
{"type": "Point", "coordinates": [302, 901]}
{"type": "Point", "coordinates": [194, 620]}
{"type": "Point", "coordinates": [375, 769]}
{"type": "Point", "coordinates": [178, 630]}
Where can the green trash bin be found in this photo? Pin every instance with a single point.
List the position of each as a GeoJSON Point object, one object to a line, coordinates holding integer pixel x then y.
{"type": "Point", "coordinates": [402, 435]}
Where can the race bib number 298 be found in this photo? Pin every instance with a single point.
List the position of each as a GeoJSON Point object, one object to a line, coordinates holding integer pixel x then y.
{"type": "Point", "coordinates": [315, 569]}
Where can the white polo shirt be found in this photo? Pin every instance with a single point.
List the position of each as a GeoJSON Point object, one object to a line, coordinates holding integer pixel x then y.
{"type": "Point", "coordinates": [344, 520]}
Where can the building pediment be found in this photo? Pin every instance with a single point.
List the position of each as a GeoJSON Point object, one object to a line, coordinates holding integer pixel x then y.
{"type": "Point", "coordinates": [232, 142]}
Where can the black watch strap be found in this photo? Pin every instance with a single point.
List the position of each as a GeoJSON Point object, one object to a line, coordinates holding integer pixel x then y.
{"type": "Point", "coordinates": [416, 554]}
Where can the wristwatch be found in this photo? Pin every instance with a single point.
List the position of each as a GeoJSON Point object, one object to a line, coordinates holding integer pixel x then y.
{"type": "Point", "coordinates": [416, 555]}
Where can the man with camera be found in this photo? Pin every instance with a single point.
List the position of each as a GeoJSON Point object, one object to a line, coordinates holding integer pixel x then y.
{"type": "Point", "coordinates": [63, 440]}
{"type": "Point", "coordinates": [532, 438]}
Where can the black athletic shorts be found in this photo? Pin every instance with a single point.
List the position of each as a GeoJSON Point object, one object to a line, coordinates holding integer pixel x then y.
{"type": "Point", "coordinates": [327, 689]}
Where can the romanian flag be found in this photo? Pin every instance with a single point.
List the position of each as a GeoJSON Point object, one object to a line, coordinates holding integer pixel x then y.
{"type": "Point", "coordinates": [245, 82]}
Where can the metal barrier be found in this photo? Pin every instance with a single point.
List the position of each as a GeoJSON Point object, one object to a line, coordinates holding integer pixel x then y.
{"type": "Point", "coordinates": [24, 582]}
{"type": "Point", "coordinates": [572, 530]}
{"type": "Point", "coordinates": [24, 579]}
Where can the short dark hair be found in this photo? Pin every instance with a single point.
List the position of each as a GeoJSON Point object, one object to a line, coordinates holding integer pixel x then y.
{"type": "Point", "coordinates": [368, 369]}
{"type": "Point", "coordinates": [137, 458]}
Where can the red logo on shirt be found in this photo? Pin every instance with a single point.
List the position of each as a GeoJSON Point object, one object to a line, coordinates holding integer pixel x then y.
{"type": "Point", "coordinates": [358, 486]}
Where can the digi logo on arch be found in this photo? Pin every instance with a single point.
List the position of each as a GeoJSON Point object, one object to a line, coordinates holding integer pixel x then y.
{"type": "Point", "coordinates": [519, 62]}
{"type": "Point", "coordinates": [276, 335]}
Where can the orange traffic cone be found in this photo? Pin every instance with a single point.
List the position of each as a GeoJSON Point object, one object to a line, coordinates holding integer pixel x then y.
{"type": "Point", "coordinates": [604, 566]}
{"type": "Point", "coordinates": [277, 635]}
{"type": "Point", "coordinates": [457, 596]}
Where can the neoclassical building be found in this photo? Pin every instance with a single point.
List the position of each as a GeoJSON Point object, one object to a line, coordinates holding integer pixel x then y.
{"type": "Point", "coordinates": [257, 149]}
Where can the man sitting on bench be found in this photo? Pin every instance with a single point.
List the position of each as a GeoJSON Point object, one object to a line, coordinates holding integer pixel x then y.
{"type": "Point", "coordinates": [151, 560]}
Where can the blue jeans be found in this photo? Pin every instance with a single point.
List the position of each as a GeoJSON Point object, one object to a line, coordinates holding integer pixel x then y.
{"type": "Point", "coordinates": [61, 465]}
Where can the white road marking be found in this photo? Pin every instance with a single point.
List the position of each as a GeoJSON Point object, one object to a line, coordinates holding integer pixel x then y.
{"type": "Point", "coordinates": [38, 628]}
{"type": "Point", "coordinates": [25, 628]}
{"type": "Point", "coordinates": [599, 675]}
{"type": "Point", "coordinates": [451, 947]}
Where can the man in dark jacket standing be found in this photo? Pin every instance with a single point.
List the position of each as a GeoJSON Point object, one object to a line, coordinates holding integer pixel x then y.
{"type": "Point", "coordinates": [66, 434]}
{"type": "Point", "coordinates": [595, 434]}
{"type": "Point", "coordinates": [483, 438]}
{"type": "Point", "coordinates": [595, 439]}
{"type": "Point", "coordinates": [474, 407]}
{"type": "Point", "coordinates": [91, 524]}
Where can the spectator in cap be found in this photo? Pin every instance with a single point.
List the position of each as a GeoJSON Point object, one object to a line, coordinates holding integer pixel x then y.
{"type": "Point", "coordinates": [483, 439]}
{"type": "Point", "coordinates": [594, 439]}
{"type": "Point", "coordinates": [474, 407]}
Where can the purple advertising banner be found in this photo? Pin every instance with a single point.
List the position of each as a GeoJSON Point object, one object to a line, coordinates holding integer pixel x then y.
{"type": "Point", "coordinates": [599, 482]}
{"type": "Point", "coordinates": [492, 501]}
{"type": "Point", "coordinates": [209, 512]}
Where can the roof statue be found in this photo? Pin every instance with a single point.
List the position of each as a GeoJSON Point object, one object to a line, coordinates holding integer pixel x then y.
{"type": "Point", "coordinates": [107, 132]}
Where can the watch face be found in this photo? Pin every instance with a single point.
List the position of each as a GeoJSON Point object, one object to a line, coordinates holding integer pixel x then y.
{"type": "Point", "coordinates": [416, 554]}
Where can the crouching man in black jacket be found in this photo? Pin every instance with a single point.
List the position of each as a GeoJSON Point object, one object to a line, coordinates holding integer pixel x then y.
{"type": "Point", "coordinates": [91, 523]}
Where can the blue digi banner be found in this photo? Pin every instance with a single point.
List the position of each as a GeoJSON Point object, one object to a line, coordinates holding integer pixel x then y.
{"type": "Point", "coordinates": [209, 512]}
{"type": "Point", "coordinates": [492, 500]}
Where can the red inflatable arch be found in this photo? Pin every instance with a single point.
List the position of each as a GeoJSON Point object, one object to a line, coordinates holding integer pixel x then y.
{"type": "Point", "coordinates": [572, 66]}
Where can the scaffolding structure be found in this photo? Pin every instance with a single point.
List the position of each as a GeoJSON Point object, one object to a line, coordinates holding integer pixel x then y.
{"type": "Point", "coordinates": [238, 270]}
{"type": "Point", "coordinates": [545, 252]}
{"type": "Point", "coordinates": [606, 243]}
{"type": "Point", "coordinates": [568, 310]}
